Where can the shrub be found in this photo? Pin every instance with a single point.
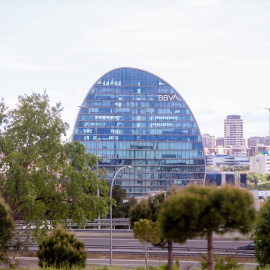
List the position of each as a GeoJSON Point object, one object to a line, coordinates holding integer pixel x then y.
{"type": "Point", "coordinates": [61, 249]}
{"type": "Point", "coordinates": [221, 263]}
{"type": "Point", "coordinates": [6, 232]}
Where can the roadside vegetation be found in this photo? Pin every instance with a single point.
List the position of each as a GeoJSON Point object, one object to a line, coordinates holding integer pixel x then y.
{"type": "Point", "coordinates": [196, 211]}
{"type": "Point", "coordinates": [46, 180]}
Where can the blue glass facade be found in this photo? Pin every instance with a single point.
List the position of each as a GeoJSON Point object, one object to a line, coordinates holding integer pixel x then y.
{"type": "Point", "coordinates": [215, 178]}
{"type": "Point", "coordinates": [131, 117]}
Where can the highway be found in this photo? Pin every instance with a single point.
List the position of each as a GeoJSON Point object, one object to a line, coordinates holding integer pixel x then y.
{"type": "Point", "coordinates": [97, 246]}
{"type": "Point", "coordinates": [132, 243]}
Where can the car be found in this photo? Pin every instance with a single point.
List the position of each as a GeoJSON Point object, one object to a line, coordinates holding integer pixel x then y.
{"type": "Point", "coordinates": [251, 246]}
{"type": "Point", "coordinates": [32, 226]}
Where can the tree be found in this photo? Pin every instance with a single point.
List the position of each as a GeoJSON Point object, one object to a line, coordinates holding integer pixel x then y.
{"type": "Point", "coordinates": [121, 209]}
{"type": "Point", "coordinates": [234, 168]}
{"type": "Point", "coordinates": [61, 249]}
{"type": "Point", "coordinates": [146, 209]}
{"type": "Point", "coordinates": [146, 231]}
{"type": "Point", "coordinates": [201, 211]}
{"type": "Point", "coordinates": [44, 178]}
{"type": "Point", "coordinates": [6, 231]}
{"type": "Point", "coordinates": [261, 236]}
{"type": "Point", "coordinates": [258, 181]}
{"type": "Point", "coordinates": [149, 209]}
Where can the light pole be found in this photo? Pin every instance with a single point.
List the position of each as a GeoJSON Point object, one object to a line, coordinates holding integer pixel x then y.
{"type": "Point", "coordinates": [111, 210]}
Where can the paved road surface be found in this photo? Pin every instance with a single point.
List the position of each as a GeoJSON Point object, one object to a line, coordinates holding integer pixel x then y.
{"type": "Point", "coordinates": [131, 242]}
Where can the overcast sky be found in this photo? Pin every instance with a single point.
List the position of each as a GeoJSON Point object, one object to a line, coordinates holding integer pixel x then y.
{"type": "Point", "coordinates": [216, 54]}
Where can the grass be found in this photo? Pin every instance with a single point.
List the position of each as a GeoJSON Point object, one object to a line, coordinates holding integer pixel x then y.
{"type": "Point", "coordinates": [90, 267]}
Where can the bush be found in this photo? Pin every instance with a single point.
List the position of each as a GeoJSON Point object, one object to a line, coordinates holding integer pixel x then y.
{"type": "Point", "coordinates": [221, 263]}
{"type": "Point", "coordinates": [160, 267]}
{"type": "Point", "coordinates": [61, 249]}
{"type": "Point", "coordinates": [6, 233]}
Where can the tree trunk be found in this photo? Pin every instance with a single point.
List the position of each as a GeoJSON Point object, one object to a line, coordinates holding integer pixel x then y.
{"type": "Point", "coordinates": [170, 257]}
{"type": "Point", "coordinates": [210, 251]}
{"type": "Point", "coordinates": [145, 248]}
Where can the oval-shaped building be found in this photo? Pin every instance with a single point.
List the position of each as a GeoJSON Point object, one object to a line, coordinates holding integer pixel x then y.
{"type": "Point", "coordinates": [131, 117]}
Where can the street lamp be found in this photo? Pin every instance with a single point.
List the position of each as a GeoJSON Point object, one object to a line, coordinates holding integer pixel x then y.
{"type": "Point", "coordinates": [111, 210]}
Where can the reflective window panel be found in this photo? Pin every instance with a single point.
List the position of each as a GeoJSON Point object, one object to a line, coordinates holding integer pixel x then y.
{"type": "Point", "coordinates": [131, 117]}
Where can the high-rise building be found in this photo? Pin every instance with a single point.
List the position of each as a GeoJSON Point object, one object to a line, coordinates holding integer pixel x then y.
{"type": "Point", "coordinates": [131, 117]}
{"type": "Point", "coordinates": [220, 141]}
{"type": "Point", "coordinates": [233, 131]}
{"type": "Point", "coordinates": [208, 141]}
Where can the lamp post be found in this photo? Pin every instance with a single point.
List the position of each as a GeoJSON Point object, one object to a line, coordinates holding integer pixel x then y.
{"type": "Point", "coordinates": [111, 210]}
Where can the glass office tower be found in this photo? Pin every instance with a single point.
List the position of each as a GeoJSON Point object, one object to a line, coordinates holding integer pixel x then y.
{"type": "Point", "coordinates": [131, 117]}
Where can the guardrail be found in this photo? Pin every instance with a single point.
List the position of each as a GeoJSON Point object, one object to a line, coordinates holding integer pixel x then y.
{"type": "Point", "coordinates": [117, 223]}
{"type": "Point", "coordinates": [134, 251]}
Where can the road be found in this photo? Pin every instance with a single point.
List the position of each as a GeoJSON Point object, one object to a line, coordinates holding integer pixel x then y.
{"type": "Point", "coordinates": [96, 244]}
{"type": "Point", "coordinates": [132, 243]}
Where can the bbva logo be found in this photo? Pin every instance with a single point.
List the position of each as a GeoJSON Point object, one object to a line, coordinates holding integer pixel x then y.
{"type": "Point", "coordinates": [167, 97]}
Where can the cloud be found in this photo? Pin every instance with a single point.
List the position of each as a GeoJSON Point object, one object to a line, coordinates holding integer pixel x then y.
{"type": "Point", "coordinates": [27, 66]}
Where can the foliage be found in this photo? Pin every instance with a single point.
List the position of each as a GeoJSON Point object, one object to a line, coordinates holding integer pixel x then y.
{"type": "Point", "coordinates": [258, 153]}
{"type": "Point", "coordinates": [146, 231]}
{"type": "Point", "coordinates": [43, 177]}
{"type": "Point", "coordinates": [261, 236]}
{"type": "Point", "coordinates": [200, 211]}
{"type": "Point", "coordinates": [104, 268]}
{"type": "Point", "coordinates": [61, 249]}
{"type": "Point", "coordinates": [121, 209]}
{"type": "Point", "coordinates": [146, 209]}
{"type": "Point", "coordinates": [149, 209]}
{"type": "Point", "coordinates": [6, 232]}
{"type": "Point", "coordinates": [6, 224]}
{"type": "Point", "coordinates": [258, 181]}
{"type": "Point", "coordinates": [221, 263]}
{"type": "Point", "coordinates": [160, 267]}
{"type": "Point", "coordinates": [234, 168]}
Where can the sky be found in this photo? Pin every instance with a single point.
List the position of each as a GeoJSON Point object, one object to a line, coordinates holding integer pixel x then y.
{"type": "Point", "coordinates": [216, 54]}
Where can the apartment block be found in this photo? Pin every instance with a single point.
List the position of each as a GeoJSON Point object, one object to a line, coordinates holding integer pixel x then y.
{"type": "Point", "coordinates": [233, 131]}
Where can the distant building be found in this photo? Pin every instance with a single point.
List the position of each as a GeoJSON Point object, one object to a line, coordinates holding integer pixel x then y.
{"type": "Point", "coordinates": [254, 141]}
{"type": "Point", "coordinates": [238, 151]}
{"type": "Point", "coordinates": [220, 141]}
{"type": "Point", "coordinates": [223, 178]}
{"type": "Point", "coordinates": [233, 131]}
{"type": "Point", "coordinates": [208, 141]}
{"type": "Point", "coordinates": [260, 163]}
{"type": "Point", "coordinates": [217, 151]}
{"type": "Point", "coordinates": [225, 160]}
{"type": "Point", "coordinates": [253, 150]}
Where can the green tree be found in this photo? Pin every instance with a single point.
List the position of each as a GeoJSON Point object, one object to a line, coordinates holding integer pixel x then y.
{"type": "Point", "coordinates": [149, 209]}
{"type": "Point", "coordinates": [201, 211]}
{"type": "Point", "coordinates": [6, 231]}
{"type": "Point", "coordinates": [61, 249]}
{"type": "Point", "coordinates": [234, 168]}
{"type": "Point", "coordinates": [43, 177]}
{"type": "Point", "coordinates": [261, 236]}
{"type": "Point", "coordinates": [258, 181]}
{"type": "Point", "coordinates": [121, 208]}
{"type": "Point", "coordinates": [146, 231]}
